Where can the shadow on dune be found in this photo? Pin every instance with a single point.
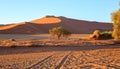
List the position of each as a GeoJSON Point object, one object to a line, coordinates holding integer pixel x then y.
{"type": "Point", "coordinates": [36, 49]}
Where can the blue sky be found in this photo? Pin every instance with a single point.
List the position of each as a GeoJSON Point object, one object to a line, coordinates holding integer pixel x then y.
{"type": "Point", "coordinates": [13, 11]}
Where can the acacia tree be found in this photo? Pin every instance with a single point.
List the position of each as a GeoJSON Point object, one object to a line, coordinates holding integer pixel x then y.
{"type": "Point", "coordinates": [59, 32]}
{"type": "Point", "coordinates": [115, 16]}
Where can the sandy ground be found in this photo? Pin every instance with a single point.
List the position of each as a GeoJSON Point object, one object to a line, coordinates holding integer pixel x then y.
{"type": "Point", "coordinates": [77, 54]}
{"type": "Point", "coordinates": [38, 36]}
{"type": "Point", "coordinates": [69, 57]}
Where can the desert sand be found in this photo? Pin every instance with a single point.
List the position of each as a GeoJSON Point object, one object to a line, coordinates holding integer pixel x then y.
{"type": "Point", "coordinates": [70, 57]}
{"type": "Point", "coordinates": [72, 53]}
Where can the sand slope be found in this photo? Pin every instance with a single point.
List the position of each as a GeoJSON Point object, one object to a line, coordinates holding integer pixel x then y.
{"type": "Point", "coordinates": [42, 26]}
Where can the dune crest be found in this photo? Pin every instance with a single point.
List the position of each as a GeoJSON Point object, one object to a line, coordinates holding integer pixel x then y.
{"type": "Point", "coordinates": [11, 26]}
{"type": "Point", "coordinates": [47, 20]}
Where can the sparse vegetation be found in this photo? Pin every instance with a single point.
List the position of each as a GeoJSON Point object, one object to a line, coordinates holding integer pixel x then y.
{"type": "Point", "coordinates": [39, 43]}
{"type": "Point", "coordinates": [106, 35]}
{"type": "Point", "coordinates": [115, 16]}
{"type": "Point", "coordinates": [59, 32]}
{"type": "Point", "coordinates": [12, 39]}
{"type": "Point", "coordinates": [73, 54]}
{"type": "Point", "coordinates": [97, 35]}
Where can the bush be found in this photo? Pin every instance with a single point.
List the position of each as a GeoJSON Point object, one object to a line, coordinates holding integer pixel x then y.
{"type": "Point", "coordinates": [59, 32]}
{"type": "Point", "coordinates": [106, 35]}
{"type": "Point", "coordinates": [12, 39]}
{"type": "Point", "coordinates": [97, 35]}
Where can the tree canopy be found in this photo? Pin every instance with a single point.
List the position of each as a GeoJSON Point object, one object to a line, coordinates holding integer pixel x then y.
{"type": "Point", "coordinates": [59, 32]}
{"type": "Point", "coordinates": [115, 17]}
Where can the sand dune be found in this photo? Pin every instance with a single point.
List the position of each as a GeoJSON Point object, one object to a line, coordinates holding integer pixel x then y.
{"type": "Point", "coordinates": [42, 26]}
{"type": "Point", "coordinates": [47, 20]}
{"type": "Point", "coordinates": [11, 26]}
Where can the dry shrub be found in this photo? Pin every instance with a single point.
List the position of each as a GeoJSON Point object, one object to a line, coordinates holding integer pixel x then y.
{"type": "Point", "coordinates": [97, 35]}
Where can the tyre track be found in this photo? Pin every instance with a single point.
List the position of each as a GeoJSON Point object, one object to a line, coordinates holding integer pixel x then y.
{"type": "Point", "coordinates": [54, 61]}
{"type": "Point", "coordinates": [39, 62]}
{"type": "Point", "coordinates": [114, 66]}
{"type": "Point", "coordinates": [62, 61]}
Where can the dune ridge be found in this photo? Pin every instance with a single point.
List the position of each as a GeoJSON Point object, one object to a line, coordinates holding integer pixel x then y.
{"type": "Point", "coordinates": [47, 20]}
{"type": "Point", "coordinates": [42, 26]}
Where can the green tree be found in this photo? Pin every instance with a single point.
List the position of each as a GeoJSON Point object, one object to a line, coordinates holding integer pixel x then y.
{"type": "Point", "coordinates": [115, 17]}
{"type": "Point", "coordinates": [59, 32]}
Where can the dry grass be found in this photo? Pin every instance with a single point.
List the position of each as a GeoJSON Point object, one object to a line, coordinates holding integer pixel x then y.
{"type": "Point", "coordinates": [10, 43]}
{"type": "Point", "coordinates": [44, 40]}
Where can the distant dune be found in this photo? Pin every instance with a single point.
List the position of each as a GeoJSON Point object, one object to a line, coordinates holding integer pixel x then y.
{"type": "Point", "coordinates": [47, 20]}
{"type": "Point", "coordinates": [42, 26]}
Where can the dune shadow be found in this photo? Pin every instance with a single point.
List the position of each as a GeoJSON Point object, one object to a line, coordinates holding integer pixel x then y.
{"type": "Point", "coordinates": [37, 49]}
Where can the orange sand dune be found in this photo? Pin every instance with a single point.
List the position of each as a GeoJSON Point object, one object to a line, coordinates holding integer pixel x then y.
{"type": "Point", "coordinates": [43, 25]}
{"type": "Point", "coordinates": [47, 20]}
{"type": "Point", "coordinates": [11, 26]}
